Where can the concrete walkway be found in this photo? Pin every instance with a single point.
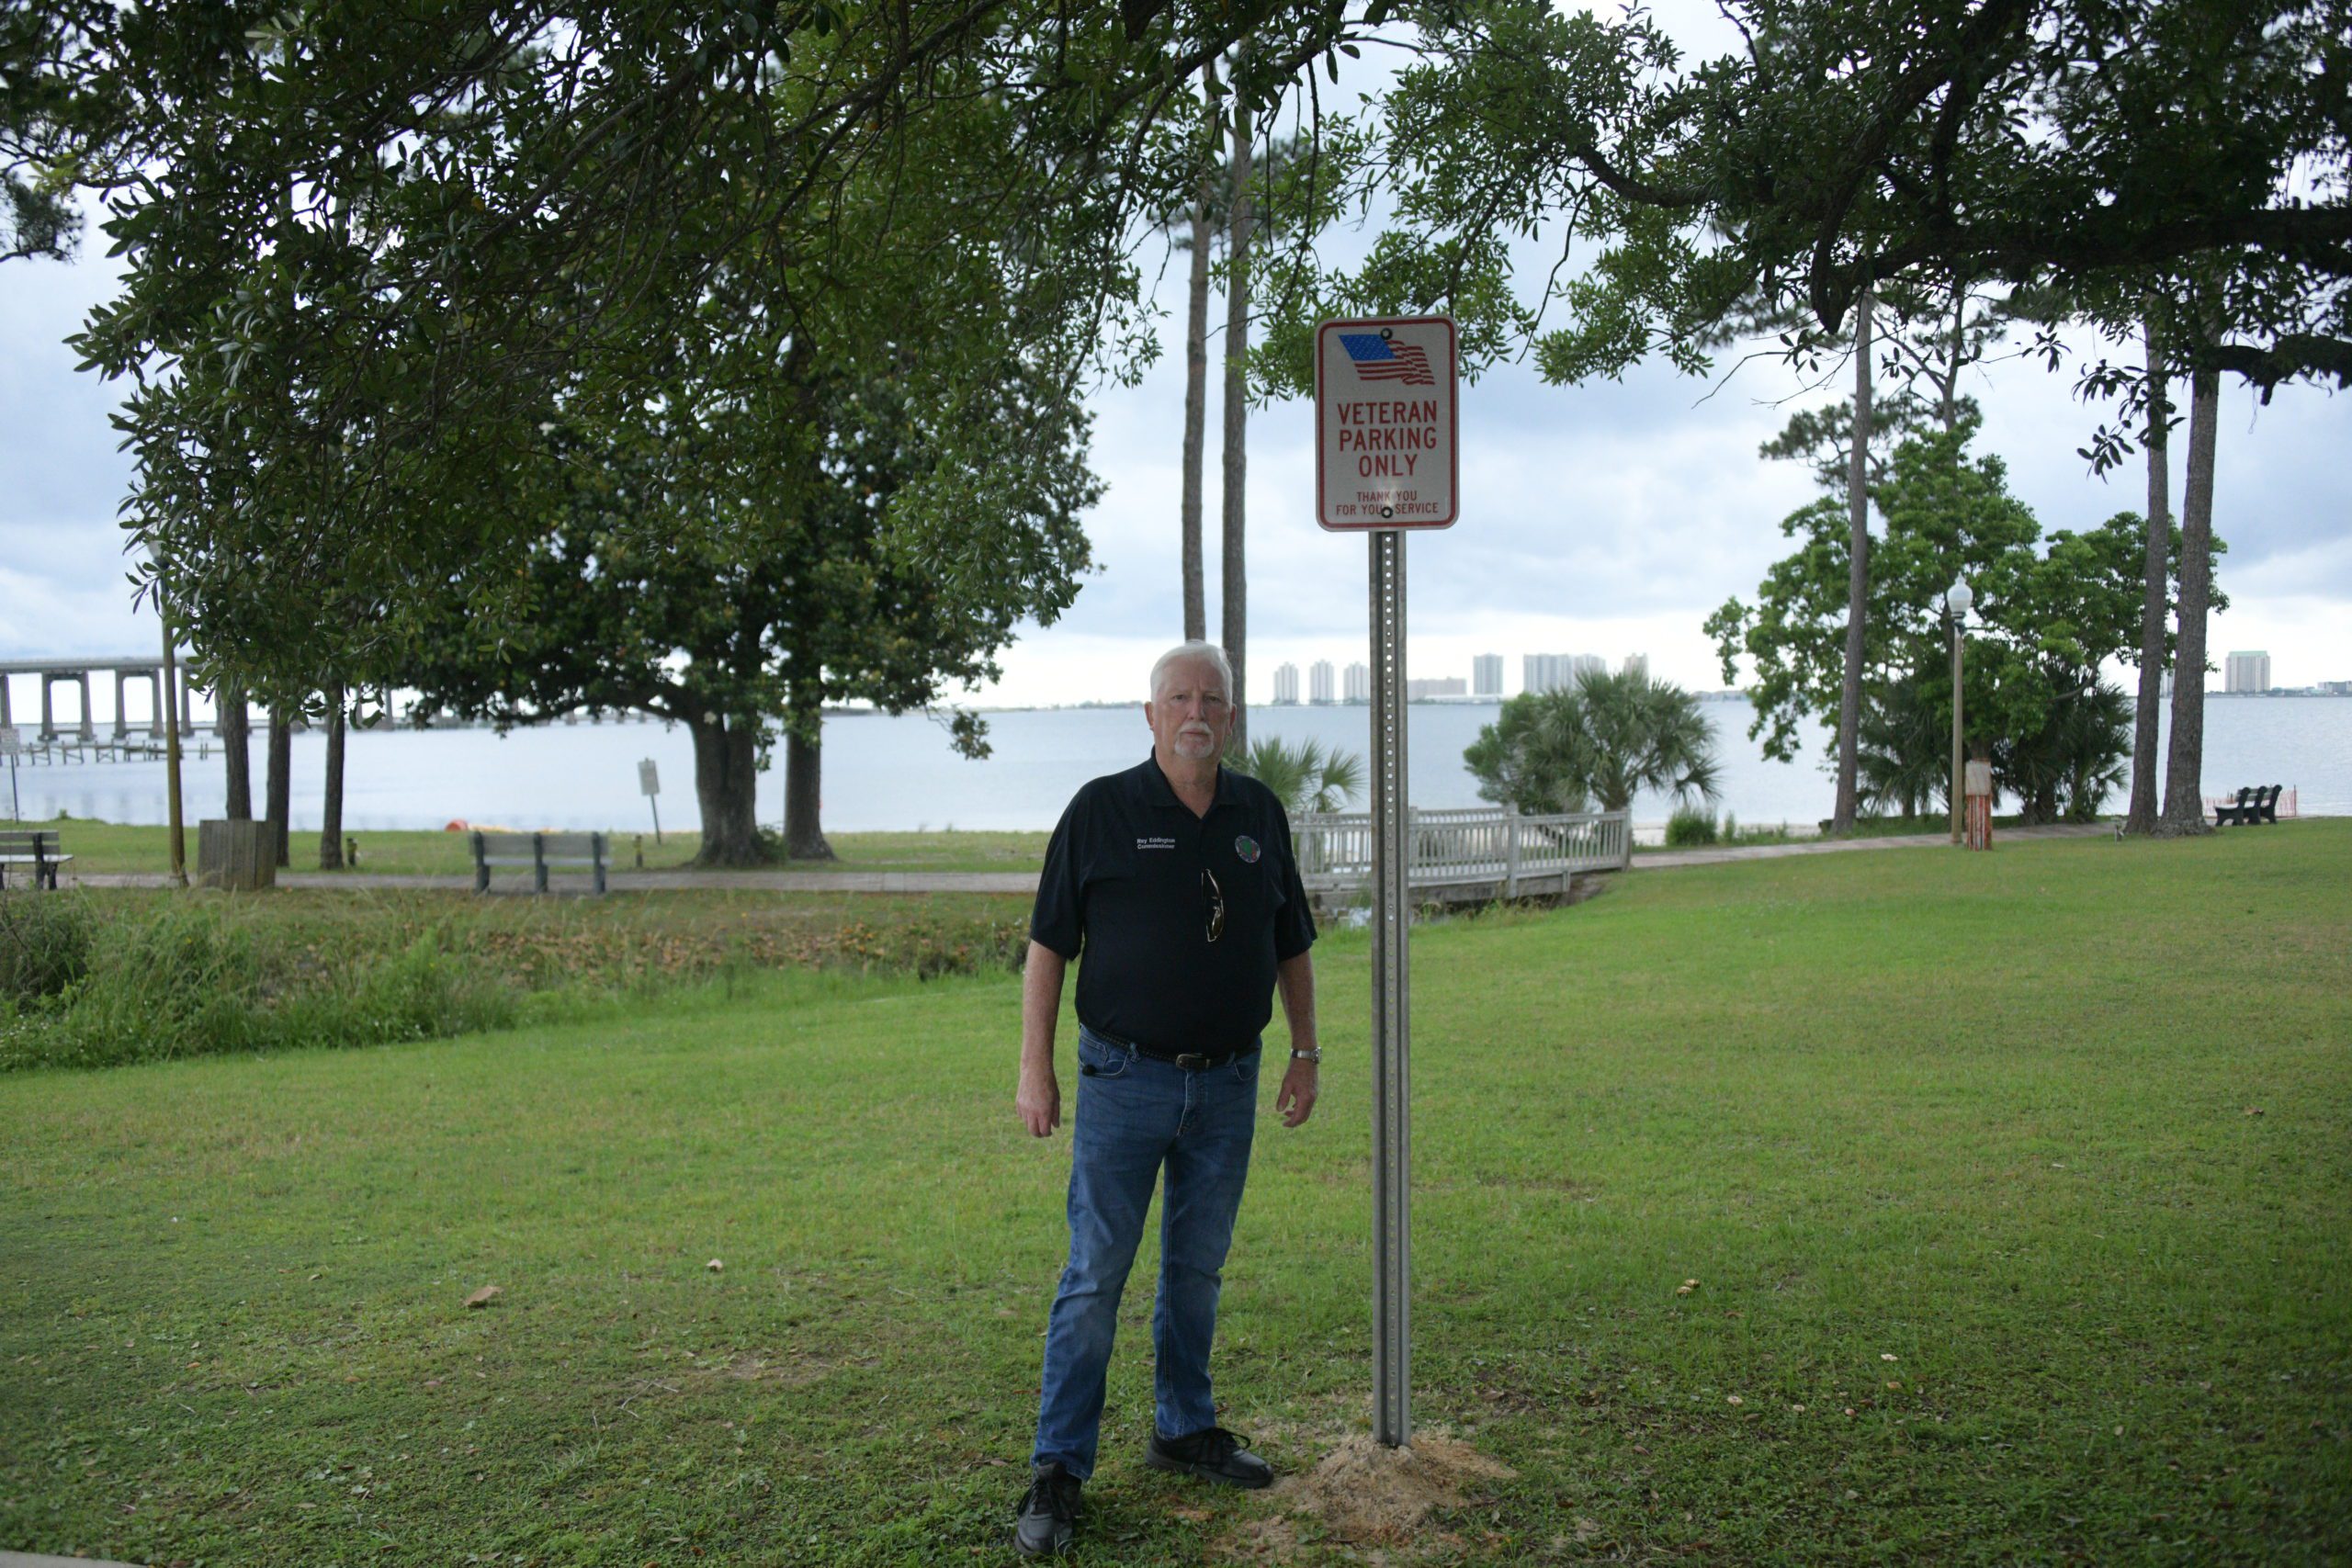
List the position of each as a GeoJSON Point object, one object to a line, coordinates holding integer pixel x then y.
{"type": "Point", "coordinates": [30, 1560]}
{"type": "Point", "coordinates": [1024, 882]}
{"type": "Point", "coordinates": [1669, 860]}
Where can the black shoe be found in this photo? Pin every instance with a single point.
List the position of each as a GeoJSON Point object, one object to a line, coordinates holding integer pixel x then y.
{"type": "Point", "coordinates": [1212, 1455]}
{"type": "Point", "coordinates": [1048, 1515]}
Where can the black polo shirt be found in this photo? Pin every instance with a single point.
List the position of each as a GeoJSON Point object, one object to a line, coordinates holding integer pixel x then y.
{"type": "Point", "coordinates": [1122, 881]}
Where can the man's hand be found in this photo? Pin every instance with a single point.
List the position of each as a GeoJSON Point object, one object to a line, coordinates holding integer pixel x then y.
{"type": "Point", "coordinates": [1296, 1101]}
{"type": "Point", "coordinates": [1040, 1100]}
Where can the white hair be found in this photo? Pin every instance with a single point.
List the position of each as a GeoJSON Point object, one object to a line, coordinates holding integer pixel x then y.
{"type": "Point", "coordinates": [1185, 652]}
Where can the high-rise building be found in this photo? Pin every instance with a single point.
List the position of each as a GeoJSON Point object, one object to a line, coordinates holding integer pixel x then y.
{"type": "Point", "coordinates": [1285, 685]}
{"type": "Point", "coordinates": [1550, 672]}
{"type": "Point", "coordinates": [2247, 672]}
{"type": "Point", "coordinates": [1637, 664]}
{"type": "Point", "coordinates": [1359, 686]}
{"type": "Point", "coordinates": [1319, 681]}
{"type": "Point", "coordinates": [1422, 691]}
{"type": "Point", "coordinates": [1486, 675]}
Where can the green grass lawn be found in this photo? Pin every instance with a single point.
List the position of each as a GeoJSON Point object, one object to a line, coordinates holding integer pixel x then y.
{"type": "Point", "coordinates": [119, 847]}
{"type": "Point", "coordinates": [2014, 1186]}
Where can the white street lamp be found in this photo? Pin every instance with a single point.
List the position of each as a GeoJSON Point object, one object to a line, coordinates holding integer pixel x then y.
{"type": "Point", "coordinates": [1958, 598]}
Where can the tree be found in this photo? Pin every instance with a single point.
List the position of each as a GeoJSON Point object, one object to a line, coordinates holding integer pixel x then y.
{"type": "Point", "coordinates": [1235, 600]}
{"type": "Point", "coordinates": [1904, 757]}
{"type": "Point", "coordinates": [2184, 763]}
{"type": "Point", "coordinates": [1196, 371]}
{"type": "Point", "coordinates": [331, 813]}
{"type": "Point", "coordinates": [279, 789]}
{"type": "Point", "coordinates": [858, 493]}
{"type": "Point", "coordinates": [1606, 738]}
{"type": "Point", "coordinates": [374, 257]}
{"type": "Point", "coordinates": [2144, 813]}
{"type": "Point", "coordinates": [236, 748]}
{"type": "Point", "coordinates": [1857, 575]}
{"type": "Point", "coordinates": [2056, 142]}
{"type": "Point", "coordinates": [2052, 614]}
{"type": "Point", "coordinates": [1304, 777]}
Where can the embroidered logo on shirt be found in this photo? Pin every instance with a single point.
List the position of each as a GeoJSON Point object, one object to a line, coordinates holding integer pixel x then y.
{"type": "Point", "coordinates": [1247, 848]}
{"type": "Point", "coordinates": [1155, 844]}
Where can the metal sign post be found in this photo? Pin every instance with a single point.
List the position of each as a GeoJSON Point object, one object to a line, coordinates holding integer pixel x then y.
{"type": "Point", "coordinates": [648, 780]}
{"type": "Point", "coordinates": [1392, 920]}
{"type": "Point", "coordinates": [12, 743]}
{"type": "Point", "coordinates": [1386, 462]}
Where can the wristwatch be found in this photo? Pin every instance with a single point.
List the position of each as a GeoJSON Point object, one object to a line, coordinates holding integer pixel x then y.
{"type": "Point", "coordinates": [1315, 1055]}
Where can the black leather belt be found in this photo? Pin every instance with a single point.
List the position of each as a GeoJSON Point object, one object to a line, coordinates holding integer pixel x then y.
{"type": "Point", "coordinates": [1191, 1061]}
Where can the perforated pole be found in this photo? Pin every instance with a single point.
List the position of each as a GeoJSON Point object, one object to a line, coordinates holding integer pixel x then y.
{"type": "Point", "coordinates": [1392, 913]}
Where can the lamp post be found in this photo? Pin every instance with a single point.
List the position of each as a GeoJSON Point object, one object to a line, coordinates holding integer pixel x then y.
{"type": "Point", "coordinates": [1957, 599]}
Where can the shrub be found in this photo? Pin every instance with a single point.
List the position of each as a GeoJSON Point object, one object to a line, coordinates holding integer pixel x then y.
{"type": "Point", "coordinates": [44, 944]}
{"type": "Point", "coordinates": [1690, 826]}
{"type": "Point", "coordinates": [195, 980]}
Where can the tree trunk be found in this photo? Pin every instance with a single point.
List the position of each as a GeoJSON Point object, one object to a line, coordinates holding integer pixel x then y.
{"type": "Point", "coordinates": [330, 816]}
{"type": "Point", "coordinates": [2185, 763]}
{"type": "Point", "coordinates": [804, 835]}
{"type": "Point", "coordinates": [1236, 423]}
{"type": "Point", "coordinates": [236, 748]}
{"type": "Point", "coordinates": [726, 763]}
{"type": "Point", "coordinates": [281, 784]}
{"type": "Point", "coordinates": [1196, 390]}
{"type": "Point", "coordinates": [1858, 573]}
{"type": "Point", "coordinates": [2146, 719]}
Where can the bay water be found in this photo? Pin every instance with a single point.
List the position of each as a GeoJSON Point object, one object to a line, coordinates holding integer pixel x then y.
{"type": "Point", "coordinates": [894, 773]}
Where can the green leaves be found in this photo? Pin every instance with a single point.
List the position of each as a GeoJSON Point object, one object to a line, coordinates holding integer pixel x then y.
{"type": "Point", "coordinates": [2048, 617]}
{"type": "Point", "coordinates": [1600, 742]}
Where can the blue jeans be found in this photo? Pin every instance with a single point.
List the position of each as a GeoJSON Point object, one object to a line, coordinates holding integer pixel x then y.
{"type": "Point", "coordinates": [1135, 1116]}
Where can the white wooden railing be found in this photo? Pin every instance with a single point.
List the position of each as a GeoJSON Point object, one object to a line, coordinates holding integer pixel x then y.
{"type": "Point", "coordinates": [1481, 845]}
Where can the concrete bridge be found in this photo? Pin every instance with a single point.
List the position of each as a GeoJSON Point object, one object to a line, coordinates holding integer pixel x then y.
{"type": "Point", "coordinates": [54, 672]}
{"type": "Point", "coordinates": [127, 671]}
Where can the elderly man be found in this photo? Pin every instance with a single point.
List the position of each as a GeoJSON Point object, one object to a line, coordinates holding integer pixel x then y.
{"type": "Point", "coordinates": [1175, 878]}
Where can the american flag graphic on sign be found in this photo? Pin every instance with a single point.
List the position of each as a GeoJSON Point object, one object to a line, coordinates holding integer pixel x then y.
{"type": "Point", "coordinates": [1377, 358]}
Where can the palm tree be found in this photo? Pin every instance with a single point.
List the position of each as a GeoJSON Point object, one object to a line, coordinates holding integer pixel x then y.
{"type": "Point", "coordinates": [1905, 755]}
{"type": "Point", "coordinates": [1304, 777]}
{"type": "Point", "coordinates": [1606, 738]}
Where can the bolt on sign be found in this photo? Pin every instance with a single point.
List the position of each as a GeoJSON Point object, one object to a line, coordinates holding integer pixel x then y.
{"type": "Point", "coordinates": [1386, 433]}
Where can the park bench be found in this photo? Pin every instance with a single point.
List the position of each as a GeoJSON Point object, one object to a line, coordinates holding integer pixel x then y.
{"type": "Point", "coordinates": [538, 851]}
{"type": "Point", "coordinates": [2253, 805]}
{"type": "Point", "coordinates": [35, 847]}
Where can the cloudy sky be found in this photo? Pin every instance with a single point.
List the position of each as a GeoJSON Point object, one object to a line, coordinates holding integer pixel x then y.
{"type": "Point", "coordinates": [1608, 519]}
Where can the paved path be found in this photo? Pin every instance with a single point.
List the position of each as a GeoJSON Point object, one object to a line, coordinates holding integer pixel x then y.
{"type": "Point", "coordinates": [1667, 860]}
{"type": "Point", "coordinates": [1025, 881]}
{"type": "Point", "coordinates": [30, 1559]}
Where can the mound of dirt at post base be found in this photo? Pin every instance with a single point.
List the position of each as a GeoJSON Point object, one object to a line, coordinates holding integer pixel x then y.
{"type": "Point", "coordinates": [1367, 1495]}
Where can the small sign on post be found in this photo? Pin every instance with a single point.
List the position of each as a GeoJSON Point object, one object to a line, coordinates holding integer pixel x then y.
{"type": "Point", "coordinates": [11, 743]}
{"type": "Point", "coordinates": [1384, 464]}
{"type": "Point", "coordinates": [649, 783]}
